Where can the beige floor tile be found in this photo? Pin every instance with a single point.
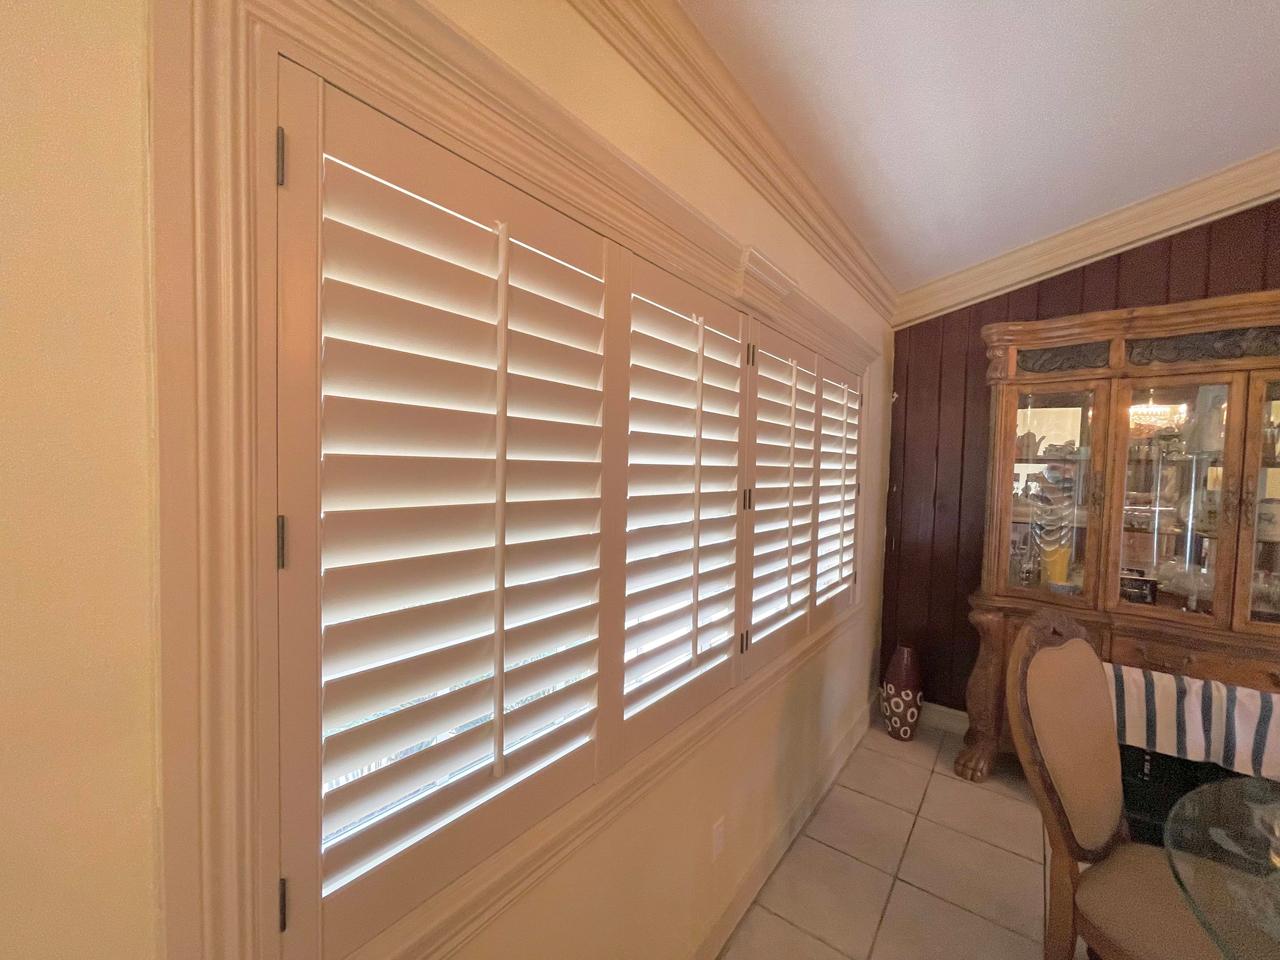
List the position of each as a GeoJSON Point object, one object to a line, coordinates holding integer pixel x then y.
{"type": "Point", "coordinates": [834, 897]}
{"type": "Point", "coordinates": [922, 751]}
{"type": "Point", "coordinates": [763, 936]}
{"type": "Point", "coordinates": [1005, 779]}
{"type": "Point", "coordinates": [1007, 823]}
{"type": "Point", "coordinates": [986, 880]}
{"type": "Point", "coordinates": [885, 778]}
{"type": "Point", "coordinates": [863, 827]}
{"type": "Point", "coordinates": [918, 926]}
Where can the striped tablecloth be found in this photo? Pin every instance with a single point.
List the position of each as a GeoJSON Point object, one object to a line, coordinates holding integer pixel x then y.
{"type": "Point", "coordinates": [1234, 727]}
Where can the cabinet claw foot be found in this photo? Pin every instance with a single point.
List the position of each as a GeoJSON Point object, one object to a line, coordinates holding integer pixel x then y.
{"type": "Point", "coordinates": [974, 761]}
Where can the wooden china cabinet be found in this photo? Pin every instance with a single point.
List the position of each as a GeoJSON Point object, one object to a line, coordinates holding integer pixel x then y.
{"type": "Point", "coordinates": [1134, 481]}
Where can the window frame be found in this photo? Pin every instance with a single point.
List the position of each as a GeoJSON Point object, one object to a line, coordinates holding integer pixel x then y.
{"type": "Point", "coordinates": [215, 235]}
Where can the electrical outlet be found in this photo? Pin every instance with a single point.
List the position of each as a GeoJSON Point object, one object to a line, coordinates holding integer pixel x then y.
{"type": "Point", "coordinates": [717, 839]}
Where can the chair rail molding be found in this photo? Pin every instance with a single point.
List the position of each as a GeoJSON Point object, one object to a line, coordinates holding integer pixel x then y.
{"type": "Point", "coordinates": [1237, 187]}
{"type": "Point", "coordinates": [660, 41]}
{"type": "Point", "coordinates": [212, 147]}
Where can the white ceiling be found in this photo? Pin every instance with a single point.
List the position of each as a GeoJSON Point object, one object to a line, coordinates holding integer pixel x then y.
{"type": "Point", "coordinates": [946, 132]}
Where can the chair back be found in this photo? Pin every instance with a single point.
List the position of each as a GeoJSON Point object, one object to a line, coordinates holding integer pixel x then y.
{"type": "Point", "coordinates": [1064, 728]}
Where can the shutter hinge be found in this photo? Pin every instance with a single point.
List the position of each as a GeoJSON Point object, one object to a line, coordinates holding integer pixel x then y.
{"type": "Point", "coordinates": [744, 641]}
{"type": "Point", "coordinates": [280, 535]}
{"type": "Point", "coordinates": [284, 904]}
{"type": "Point", "coordinates": [751, 354]}
{"type": "Point", "coordinates": [279, 156]}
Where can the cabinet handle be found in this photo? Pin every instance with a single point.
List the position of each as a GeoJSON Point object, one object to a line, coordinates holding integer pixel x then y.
{"type": "Point", "coordinates": [1248, 506]}
{"type": "Point", "coordinates": [1096, 498]}
{"type": "Point", "coordinates": [1163, 665]}
{"type": "Point", "coordinates": [1230, 501]}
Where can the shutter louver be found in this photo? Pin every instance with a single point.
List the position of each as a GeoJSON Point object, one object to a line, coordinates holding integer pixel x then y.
{"type": "Point", "coordinates": [682, 493]}
{"type": "Point", "coordinates": [837, 486]}
{"type": "Point", "coordinates": [783, 509]}
{"type": "Point", "coordinates": [460, 526]}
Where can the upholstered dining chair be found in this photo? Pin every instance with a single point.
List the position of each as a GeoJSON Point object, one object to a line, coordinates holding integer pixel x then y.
{"type": "Point", "coordinates": [1125, 902]}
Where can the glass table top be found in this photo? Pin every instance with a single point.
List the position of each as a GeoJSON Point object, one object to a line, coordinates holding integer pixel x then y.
{"type": "Point", "coordinates": [1223, 843]}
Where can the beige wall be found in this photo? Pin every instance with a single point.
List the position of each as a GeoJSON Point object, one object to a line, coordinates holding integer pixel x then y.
{"type": "Point", "coordinates": [77, 630]}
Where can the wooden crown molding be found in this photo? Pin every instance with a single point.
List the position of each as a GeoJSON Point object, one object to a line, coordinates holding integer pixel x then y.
{"type": "Point", "coordinates": [660, 41]}
{"type": "Point", "coordinates": [1244, 185]}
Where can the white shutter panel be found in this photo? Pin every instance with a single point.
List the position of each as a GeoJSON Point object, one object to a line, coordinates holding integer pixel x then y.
{"type": "Point", "coordinates": [783, 490]}
{"type": "Point", "coordinates": [683, 495]}
{"type": "Point", "coordinates": [459, 464]}
{"type": "Point", "coordinates": [837, 485]}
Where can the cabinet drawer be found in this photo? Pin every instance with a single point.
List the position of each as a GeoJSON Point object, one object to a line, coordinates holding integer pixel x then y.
{"type": "Point", "coordinates": [1168, 657]}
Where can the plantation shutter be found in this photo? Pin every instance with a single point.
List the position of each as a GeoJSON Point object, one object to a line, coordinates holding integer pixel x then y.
{"type": "Point", "coordinates": [837, 485]}
{"type": "Point", "coordinates": [785, 398]}
{"type": "Point", "coordinates": [459, 525]}
{"type": "Point", "coordinates": [683, 496]}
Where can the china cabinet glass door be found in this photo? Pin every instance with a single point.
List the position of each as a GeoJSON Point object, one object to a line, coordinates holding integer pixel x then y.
{"type": "Point", "coordinates": [1053, 463]}
{"type": "Point", "coordinates": [1175, 493]}
{"type": "Point", "coordinates": [1257, 599]}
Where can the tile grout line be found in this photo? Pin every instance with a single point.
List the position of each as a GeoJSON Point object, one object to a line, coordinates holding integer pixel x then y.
{"type": "Point", "coordinates": [972, 913]}
{"type": "Point", "coordinates": [845, 853]}
{"type": "Point", "coordinates": [805, 930]}
{"type": "Point", "coordinates": [885, 907]}
{"type": "Point", "coordinates": [993, 846]}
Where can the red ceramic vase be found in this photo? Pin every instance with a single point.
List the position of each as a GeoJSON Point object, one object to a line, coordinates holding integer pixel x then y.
{"type": "Point", "coordinates": [900, 694]}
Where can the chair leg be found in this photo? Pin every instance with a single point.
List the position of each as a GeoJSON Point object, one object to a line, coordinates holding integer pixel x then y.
{"type": "Point", "coordinates": [1060, 926]}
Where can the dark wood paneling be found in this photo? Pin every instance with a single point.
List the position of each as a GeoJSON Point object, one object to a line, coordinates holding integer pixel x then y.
{"type": "Point", "coordinates": [944, 559]}
{"type": "Point", "coordinates": [973, 495]}
{"type": "Point", "coordinates": [893, 509]}
{"type": "Point", "coordinates": [1144, 275]}
{"type": "Point", "coordinates": [1024, 303]}
{"type": "Point", "coordinates": [919, 471]}
{"type": "Point", "coordinates": [1100, 285]}
{"type": "Point", "coordinates": [1273, 245]}
{"type": "Point", "coordinates": [1061, 296]}
{"type": "Point", "coordinates": [1189, 264]}
{"type": "Point", "coordinates": [1238, 252]}
{"type": "Point", "coordinates": [938, 441]}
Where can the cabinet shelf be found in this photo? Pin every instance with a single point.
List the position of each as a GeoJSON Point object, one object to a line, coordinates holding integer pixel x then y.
{"type": "Point", "coordinates": [1046, 461]}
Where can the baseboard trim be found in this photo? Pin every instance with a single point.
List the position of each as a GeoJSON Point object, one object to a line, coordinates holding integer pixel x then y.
{"type": "Point", "coordinates": [769, 858]}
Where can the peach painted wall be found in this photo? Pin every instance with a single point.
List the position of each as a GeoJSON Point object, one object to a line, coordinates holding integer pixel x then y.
{"type": "Point", "coordinates": [77, 504]}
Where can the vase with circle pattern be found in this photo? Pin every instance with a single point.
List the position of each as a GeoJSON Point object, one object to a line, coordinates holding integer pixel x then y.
{"type": "Point", "coordinates": [900, 694]}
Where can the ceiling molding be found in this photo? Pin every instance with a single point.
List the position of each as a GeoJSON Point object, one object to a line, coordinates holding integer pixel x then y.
{"type": "Point", "coordinates": [767, 291]}
{"type": "Point", "coordinates": [1235, 188]}
{"type": "Point", "coordinates": [659, 40]}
